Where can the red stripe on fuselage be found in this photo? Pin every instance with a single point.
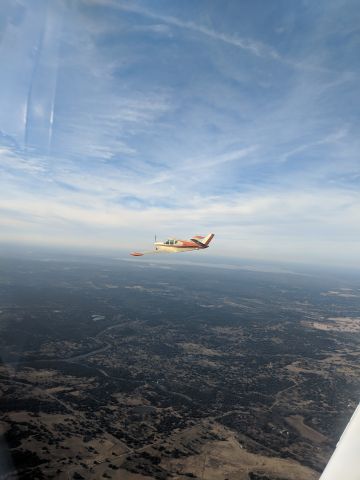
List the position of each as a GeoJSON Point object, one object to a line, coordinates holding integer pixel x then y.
{"type": "Point", "coordinates": [193, 245]}
{"type": "Point", "coordinates": [184, 243]}
{"type": "Point", "coordinates": [189, 245]}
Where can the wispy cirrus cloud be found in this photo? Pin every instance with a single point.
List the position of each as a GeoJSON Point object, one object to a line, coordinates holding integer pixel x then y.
{"type": "Point", "coordinates": [250, 45]}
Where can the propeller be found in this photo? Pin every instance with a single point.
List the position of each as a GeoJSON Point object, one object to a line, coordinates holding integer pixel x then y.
{"type": "Point", "coordinates": [155, 237]}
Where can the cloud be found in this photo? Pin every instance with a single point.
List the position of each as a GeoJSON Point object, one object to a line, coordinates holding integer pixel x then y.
{"type": "Point", "coordinates": [255, 47]}
{"type": "Point", "coordinates": [332, 138]}
{"type": "Point", "coordinates": [263, 222]}
{"type": "Point", "coordinates": [156, 28]}
{"type": "Point", "coordinates": [11, 161]}
{"type": "Point", "coordinates": [201, 166]}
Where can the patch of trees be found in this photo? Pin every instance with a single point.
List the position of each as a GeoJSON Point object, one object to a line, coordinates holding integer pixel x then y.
{"type": "Point", "coordinates": [145, 464]}
{"type": "Point", "coordinates": [24, 459]}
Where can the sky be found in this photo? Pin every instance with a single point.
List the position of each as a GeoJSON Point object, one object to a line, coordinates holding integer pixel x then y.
{"type": "Point", "coordinates": [122, 119]}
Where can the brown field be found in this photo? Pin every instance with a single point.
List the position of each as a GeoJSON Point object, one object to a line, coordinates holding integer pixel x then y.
{"type": "Point", "coordinates": [337, 324]}
{"type": "Point", "coordinates": [229, 459]}
{"type": "Point", "coordinates": [297, 421]}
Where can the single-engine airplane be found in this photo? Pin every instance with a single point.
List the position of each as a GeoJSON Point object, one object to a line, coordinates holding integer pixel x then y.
{"type": "Point", "coordinates": [173, 245]}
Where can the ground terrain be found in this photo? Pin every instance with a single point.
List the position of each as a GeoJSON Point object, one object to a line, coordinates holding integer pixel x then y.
{"type": "Point", "coordinates": [137, 370]}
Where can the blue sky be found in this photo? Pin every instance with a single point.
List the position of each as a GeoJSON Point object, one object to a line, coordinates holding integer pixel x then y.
{"type": "Point", "coordinates": [122, 119]}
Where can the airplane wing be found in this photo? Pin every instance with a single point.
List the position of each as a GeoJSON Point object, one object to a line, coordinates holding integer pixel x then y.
{"type": "Point", "coordinates": [152, 252]}
{"type": "Point", "coordinates": [345, 461]}
{"type": "Point", "coordinates": [149, 252]}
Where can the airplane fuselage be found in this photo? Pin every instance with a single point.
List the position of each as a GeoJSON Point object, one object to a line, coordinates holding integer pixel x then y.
{"type": "Point", "coordinates": [178, 245]}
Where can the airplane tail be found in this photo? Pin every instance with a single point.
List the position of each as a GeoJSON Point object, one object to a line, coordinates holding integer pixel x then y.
{"type": "Point", "coordinates": [203, 241]}
{"type": "Point", "coordinates": [208, 239]}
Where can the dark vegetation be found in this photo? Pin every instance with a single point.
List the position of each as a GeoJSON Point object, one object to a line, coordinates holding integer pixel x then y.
{"type": "Point", "coordinates": [186, 346]}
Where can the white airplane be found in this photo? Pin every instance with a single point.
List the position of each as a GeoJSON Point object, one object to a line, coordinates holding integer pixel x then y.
{"type": "Point", "coordinates": [344, 463]}
{"type": "Point", "coordinates": [173, 245]}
